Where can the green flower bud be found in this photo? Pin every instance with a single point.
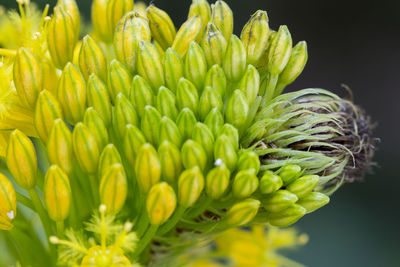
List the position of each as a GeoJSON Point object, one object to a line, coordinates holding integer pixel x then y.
{"type": "Point", "coordinates": [8, 203]}
{"type": "Point", "coordinates": [113, 188]}
{"type": "Point", "coordinates": [47, 110]}
{"type": "Point", "coordinates": [98, 98]}
{"type": "Point", "coordinates": [96, 126]}
{"type": "Point", "coordinates": [193, 155]}
{"type": "Point", "coordinates": [131, 29]}
{"type": "Point", "coordinates": [235, 59]}
{"type": "Point", "coordinates": [280, 51]}
{"type": "Point", "coordinates": [21, 159]}
{"type": "Point", "coordinates": [232, 133]}
{"type": "Point", "coordinates": [190, 186]}
{"type": "Point", "coordinates": [149, 65]}
{"type": "Point", "coordinates": [118, 80]}
{"type": "Point", "coordinates": [270, 183]}
{"type": "Point", "coordinates": [28, 79]}
{"type": "Point", "coordinates": [214, 121]}
{"type": "Point", "coordinates": [249, 160]}
{"type": "Point", "coordinates": [255, 36]}
{"type": "Point", "coordinates": [131, 143]}
{"type": "Point", "coordinates": [150, 124]}
{"type": "Point", "coordinates": [250, 84]}
{"type": "Point", "coordinates": [195, 65]}
{"type": "Point", "coordinates": [217, 181]}
{"type": "Point", "coordinates": [245, 183]}
{"type": "Point", "coordinates": [170, 132]}
{"type": "Point", "coordinates": [71, 8]}
{"type": "Point", "coordinates": [287, 217]}
{"type": "Point", "coordinates": [124, 113]}
{"type": "Point", "coordinates": [224, 150]}
{"type": "Point", "coordinates": [62, 36]}
{"type": "Point", "coordinates": [289, 173]}
{"type": "Point", "coordinates": [108, 157]}
{"type": "Point", "coordinates": [147, 167]}
{"type": "Point", "coordinates": [59, 146]}
{"type": "Point", "coordinates": [186, 95]}
{"type": "Point", "coordinates": [188, 32]}
{"type": "Point", "coordinates": [237, 109]}
{"type": "Point", "coordinates": [173, 66]}
{"type": "Point", "coordinates": [303, 185]}
{"type": "Point", "coordinates": [92, 59]}
{"type": "Point", "coordinates": [209, 99]}
{"type": "Point", "coordinates": [216, 80]}
{"type": "Point", "coordinates": [161, 26]}
{"type": "Point", "coordinates": [279, 201]}
{"type": "Point", "coordinates": [242, 212]}
{"type": "Point", "coordinates": [71, 94]}
{"type": "Point", "coordinates": [313, 201]}
{"type": "Point", "coordinates": [203, 136]}
{"type": "Point", "coordinates": [294, 67]}
{"type": "Point", "coordinates": [200, 8]}
{"type": "Point", "coordinates": [186, 122]}
{"type": "Point", "coordinates": [86, 148]}
{"type": "Point", "coordinates": [160, 203]}
{"type": "Point", "coordinates": [171, 162]}
{"type": "Point", "coordinates": [166, 103]}
{"type": "Point", "coordinates": [57, 193]}
{"type": "Point", "coordinates": [222, 17]}
{"type": "Point", "coordinates": [214, 45]}
{"type": "Point", "coordinates": [141, 94]}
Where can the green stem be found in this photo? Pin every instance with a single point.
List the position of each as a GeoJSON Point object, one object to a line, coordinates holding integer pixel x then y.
{"type": "Point", "coordinates": [95, 189]}
{"type": "Point", "coordinates": [166, 227]}
{"type": "Point", "coordinates": [146, 239]}
{"type": "Point", "coordinates": [24, 201]}
{"type": "Point", "coordinates": [60, 228]}
{"type": "Point", "coordinates": [41, 211]}
{"type": "Point", "coordinates": [197, 210]}
{"type": "Point", "coordinates": [143, 222]}
{"type": "Point", "coordinates": [270, 90]}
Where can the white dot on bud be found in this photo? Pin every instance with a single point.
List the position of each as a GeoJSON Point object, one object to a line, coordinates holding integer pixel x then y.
{"type": "Point", "coordinates": [218, 162]}
{"type": "Point", "coordinates": [102, 208]}
{"type": "Point", "coordinates": [128, 226]}
{"type": "Point", "coordinates": [11, 215]}
{"type": "Point", "coordinates": [53, 239]}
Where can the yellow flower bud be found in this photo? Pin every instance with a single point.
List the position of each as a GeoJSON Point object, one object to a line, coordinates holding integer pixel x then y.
{"type": "Point", "coordinates": [289, 173]}
{"type": "Point", "coordinates": [86, 148]}
{"type": "Point", "coordinates": [131, 29]}
{"type": "Point", "coordinates": [187, 33]}
{"type": "Point", "coordinates": [217, 181]}
{"type": "Point", "coordinates": [214, 121]}
{"type": "Point", "coordinates": [187, 95]}
{"type": "Point", "coordinates": [250, 83]}
{"type": "Point", "coordinates": [118, 80]}
{"type": "Point", "coordinates": [313, 201]}
{"type": "Point", "coordinates": [245, 183]}
{"type": "Point", "coordinates": [124, 113]}
{"type": "Point", "coordinates": [171, 162]}
{"type": "Point", "coordinates": [186, 122]}
{"type": "Point", "coordinates": [98, 98]}
{"type": "Point", "coordinates": [62, 37]}
{"type": "Point", "coordinates": [203, 136]}
{"type": "Point", "coordinates": [209, 99]}
{"type": "Point", "coordinates": [270, 183]}
{"type": "Point", "coordinates": [21, 160]}
{"type": "Point", "coordinates": [280, 51]}
{"type": "Point", "coordinates": [216, 79]}
{"type": "Point", "coordinates": [71, 94]}
{"type": "Point", "coordinates": [108, 157]}
{"type": "Point", "coordinates": [170, 132]}
{"type": "Point", "coordinates": [166, 103]}
{"type": "Point", "coordinates": [195, 65]}
{"type": "Point", "coordinates": [57, 193]}
{"type": "Point", "coordinates": [113, 188]}
{"type": "Point", "coordinates": [234, 63]}
{"type": "Point", "coordinates": [147, 167]}
{"type": "Point", "coordinates": [232, 133]}
{"type": "Point", "coordinates": [71, 8]}
{"type": "Point", "coordinates": [173, 67]}
{"type": "Point", "coordinates": [193, 155]}
{"type": "Point", "coordinates": [59, 146]}
{"type": "Point", "coordinates": [303, 185]}
{"type": "Point", "coordinates": [47, 110]}
{"type": "Point", "coordinates": [255, 35]}
{"type": "Point", "coordinates": [190, 186]}
{"type": "Point", "coordinates": [237, 109]}
{"type": "Point", "coordinates": [201, 8]}
{"type": "Point", "coordinates": [131, 143]}
{"type": "Point", "coordinates": [8, 203]}
{"type": "Point", "coordinates": [149, 65]}
{"type": "Point", "coordinates": [279, 201]}
{"type": "Point", "coordinates": [161, 26]}
{"type": "Point", "coordinates": [287, 217]}
{"type": "Point", "coordinates": [224, 150]}
{"type": "Point", "coordinates": [222, 17]}
{"type": "Point", "coordinates": [28, 78]}
{"type": "Point", "coordinates": [160, 203]}
{"type": "Point", "coordinates": [249, 160]}
{"type": "Point", "coordinates": [96, 126]}
{"type": "Point", "coordinates": [150, 124]}
{"type": "Point", "coordinates": [214, 45]}
{"type": "Point", "coordinates": [92, 59]}
{"type": "Point", "coordinates": [141, 94]}
{"type": "Point", "coordinates": [50, 79]}
{"type": "Point", "coordinates": [242, 212]}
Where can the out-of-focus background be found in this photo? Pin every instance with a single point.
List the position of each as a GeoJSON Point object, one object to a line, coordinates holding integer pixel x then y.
{"type": "Point", "coordinates": [350, 42]}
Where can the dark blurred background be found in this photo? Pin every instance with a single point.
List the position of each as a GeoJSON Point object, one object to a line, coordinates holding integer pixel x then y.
{"type": "Point", "coordinates": [355, 43]}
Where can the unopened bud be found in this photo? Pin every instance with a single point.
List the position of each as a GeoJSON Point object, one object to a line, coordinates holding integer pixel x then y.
{"type": "Point", "coordinates": [186, 121]}
{"type": "Point", "coordinates": [96, 126]}
{"type": "Point", "coordinates": [57, 193]}
{"type": "Point", "coordinates": [224, 150]}
{"type": "Point", "coordinates": [209, 99]}
{"type": "Point", "coordinates": [279, 201]}
{"type": "Point", "coordinates": [217, 181]}
{"type": "Point", "coordinates": [190, 186]}
{"type": "Point", "coordinates": [124, 113]}
{"type": "Point", "coordinates": [245, 183]}
{"type": "Point", "coordinates": [237, 109]}
{"type": "Point", "coordinates": [303, 185]}
{"type": "Point", "coordinates": [59, 146]}
{"type": "Point", "coordinates": [150, 124]}
{"type": "Point", "coordinates": [195, 65]}
{"type": "Point", "coordinates": [166, 103]}
{"type": "Point", "coordinates": [214, 45]}
{"type": "Point", "coordinates": [193, 155]}
{"type": "Point", "coordinates": [92, 59]}
{"type": "Point", "coordinates": [200, 8]}
{"type": "Point", "coordinates": [287, 217]}
{"type": "Point", "coordinates": [149, 65]}
{"type": "Point", "coordinates": [313, 201]}
{"type": "Point", "coordinates": [250, 83]}
{"type": "Point", "coordinates": [203, 136]}
{"type": "Point", "coordinates": [21, 159]}
{"type": "Point", "coordinates": [98, 98]}
{"type": "Point", "coordinates": [242, 212]}
{"type": "Point", "coordinates": [86, 148]}
{"type": "Point", "coordinates": [8, 203]}
{"type": "Point", "coordinates": [222, 17]}
{"type": "Point", "coordinates": [141, 94]}
{"type": "Point", "coordinates": [171, 161]}
{"type": "Point", "coordinates": [108, 157]}
{"type": "Point", "coordinates": [280, 51]}
{"type": "Point", "coordinates": [289, 173]}
{"type": "Point", "coordinates": [270, 183]}
{"type": "Point", "coordinates": [71, 7]}
{"type": "Point", "coordinates": [173, 66]}
{"type": "Point", "coordinates": [214, 121]}
{"type": "Point", "coordinates": [161, 26]}
{"type": "Point", "coordinates": [249, 160]}
{"type": "Point", "coordinates": [160, 203]}
{"type": "Point", "coordinates": [216, 79]}
{"type": "Point", "coordinates": [187, 95]}
{"type": "Point", "coordinates": [188, 32]}
{"type": "Point", "coordinates": [170, 132]}
{"type": "Point", "coordinates": [232, 133]}
{"type": "Point", "coordinates": [118, 80]}
{"type": "Point", "coordinates": [132, 142]}
{"type": "Point", "coordinates": [147, 167]}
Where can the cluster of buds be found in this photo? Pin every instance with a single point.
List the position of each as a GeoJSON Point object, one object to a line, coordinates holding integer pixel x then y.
{"type": "Point", "coordinates": [163, 127]}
